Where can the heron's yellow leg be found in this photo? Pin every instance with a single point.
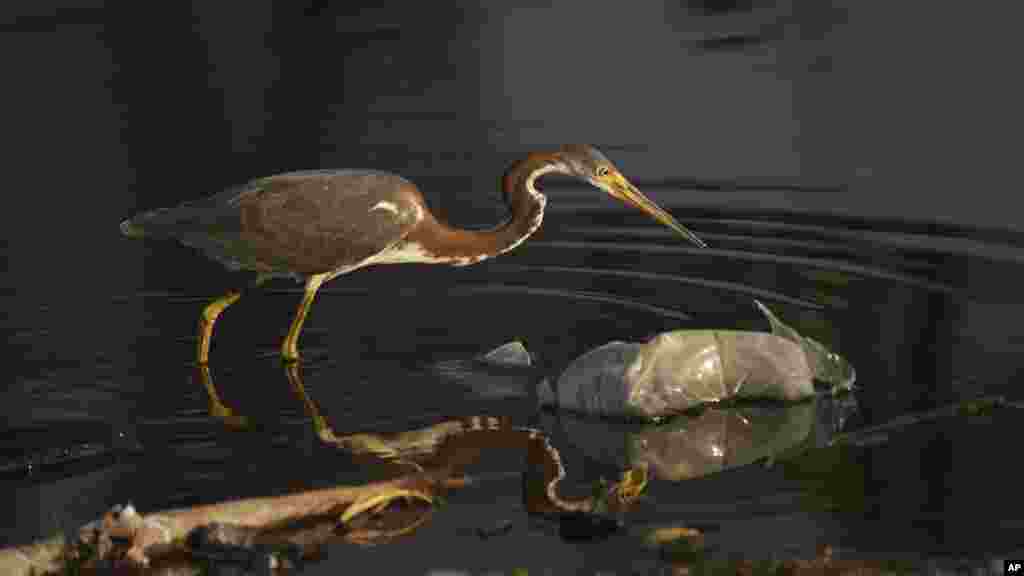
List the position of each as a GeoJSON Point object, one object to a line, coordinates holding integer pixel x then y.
{"type": "Point", "coordinates": [209, 317]}
{"type": "Point", "coordinates": [207, 320]}
{"type": "Point", "coordinates": [632, 485]}
{"type": "Point", "coordinates": [290, 347]}
{"type": "Point", "coordinates": [217, 408]}
{"type": "Point", "coordinates": [320, 425]}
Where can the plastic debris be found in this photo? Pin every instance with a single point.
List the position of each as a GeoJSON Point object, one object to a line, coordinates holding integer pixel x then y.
{"type": "Point", "coordinates": [511, 354]}
{"type": "Point", "coordinates": [679, 370]}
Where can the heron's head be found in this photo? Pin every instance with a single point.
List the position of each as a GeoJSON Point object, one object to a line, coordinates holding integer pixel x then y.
{"type": "Point", "coordinates": [589, 164]}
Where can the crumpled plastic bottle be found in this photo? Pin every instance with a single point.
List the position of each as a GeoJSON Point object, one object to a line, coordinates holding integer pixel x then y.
{"type": "Point", "coordinates": [676, 371]}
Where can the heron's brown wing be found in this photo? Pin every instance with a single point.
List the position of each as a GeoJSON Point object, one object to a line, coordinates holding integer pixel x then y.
{"type": "Point", "coordinates": [308, 222]}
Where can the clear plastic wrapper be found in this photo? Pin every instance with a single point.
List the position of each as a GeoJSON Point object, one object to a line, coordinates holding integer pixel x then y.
{"type": "Point", "coordinates": [679, 370]}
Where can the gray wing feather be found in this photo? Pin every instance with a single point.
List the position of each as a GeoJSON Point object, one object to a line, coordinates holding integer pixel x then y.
{"type": "Point", "coordinates": [296, 223]}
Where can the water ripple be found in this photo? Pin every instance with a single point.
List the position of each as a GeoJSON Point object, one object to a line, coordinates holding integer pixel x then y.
{"type": "Point", "coordinates": [699, 282]}
{"type": "Point", "coordinates": [571, 294]}
{"type": "Point", "coordinates": [797, 261]}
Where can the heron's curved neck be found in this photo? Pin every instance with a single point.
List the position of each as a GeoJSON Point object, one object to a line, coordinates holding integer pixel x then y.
{"type": "Point", "coordinates": [526, 203]}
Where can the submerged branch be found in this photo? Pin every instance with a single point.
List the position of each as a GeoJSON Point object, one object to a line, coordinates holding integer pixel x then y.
{"type": "Point", "coordinates": [161, 532]}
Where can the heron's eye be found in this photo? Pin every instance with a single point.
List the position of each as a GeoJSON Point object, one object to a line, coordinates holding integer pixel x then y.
{"type": "Point", "coordinates": [602, 171]}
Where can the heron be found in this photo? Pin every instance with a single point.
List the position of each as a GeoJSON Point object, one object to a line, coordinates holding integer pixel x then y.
{"type": "Point", "coordinates": [315, 225]}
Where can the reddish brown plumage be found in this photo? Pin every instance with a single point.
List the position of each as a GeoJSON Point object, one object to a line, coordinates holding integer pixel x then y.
{"type": "Point", "coordinates": [443, 241]}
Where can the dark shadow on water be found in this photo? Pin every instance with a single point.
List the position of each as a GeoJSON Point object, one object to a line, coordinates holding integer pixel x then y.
{"type": "Point", "coordinates": [107, 409]}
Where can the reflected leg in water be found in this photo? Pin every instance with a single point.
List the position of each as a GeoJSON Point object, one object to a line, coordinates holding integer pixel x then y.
{"type": "Point", "coordinates": [217, 408]}
{"type": "Point", "coordinates": [209, 317]}
{"type": "Point", "coordinates": [320, 425]}
{"type": "Point", "coordinates": [372, 445]}
{"type": "Point", "coordinates": [379, 449]}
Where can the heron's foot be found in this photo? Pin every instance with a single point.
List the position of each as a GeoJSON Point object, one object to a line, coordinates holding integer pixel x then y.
{"type": "Point", "coordinates": [290, 350]}
{"type": "Point", "coordinates": [216, 408]}
{"type": "Point", "coordinates": [632, 485]}
{"type": "Point", "coordinates": [323, 430]}
{"type": "Point", "coordinates": [227, 416]}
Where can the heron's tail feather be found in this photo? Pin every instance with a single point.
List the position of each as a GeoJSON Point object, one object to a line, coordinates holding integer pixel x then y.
{"type": "Point", "coordinates": [132, 230]}
{"type": "Point", "coordinates": [162, 223]}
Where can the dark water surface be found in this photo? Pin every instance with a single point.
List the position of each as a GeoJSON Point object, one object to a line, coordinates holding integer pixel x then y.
{"type": "Point", "coordinates": [104, 406]}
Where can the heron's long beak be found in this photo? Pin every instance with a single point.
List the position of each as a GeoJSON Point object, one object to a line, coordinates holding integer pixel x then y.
{"type": "Point", "coordinates": [617, 185]}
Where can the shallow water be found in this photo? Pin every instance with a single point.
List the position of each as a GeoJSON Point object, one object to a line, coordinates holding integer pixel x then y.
{"type": "Point", "coordinates": [105, 408]}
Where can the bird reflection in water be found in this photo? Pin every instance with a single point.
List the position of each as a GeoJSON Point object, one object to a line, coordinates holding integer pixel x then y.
{"type": "Point", "coordinates": [447, 448]}
{"type": "Point", "coordinates": [427, 463]}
